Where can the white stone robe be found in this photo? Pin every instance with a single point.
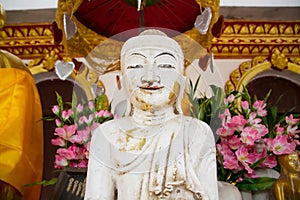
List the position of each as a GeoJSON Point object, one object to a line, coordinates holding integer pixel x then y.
{"type": "Point", "coordinates": [173, 160]}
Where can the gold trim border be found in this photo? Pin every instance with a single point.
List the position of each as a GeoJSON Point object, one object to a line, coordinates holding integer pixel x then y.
{"type": "Point", "coordinates": [239, 39]}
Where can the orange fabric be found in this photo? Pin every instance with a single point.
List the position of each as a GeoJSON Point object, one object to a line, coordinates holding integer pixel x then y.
{"type": "Point", "coordinates": [21, 132]}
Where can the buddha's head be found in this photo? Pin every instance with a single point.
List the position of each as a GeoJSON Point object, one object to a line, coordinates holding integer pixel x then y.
{"type": "Point", "coordinates": [152, 67]}
{"type": "Point", "coordinates": [290, 163]}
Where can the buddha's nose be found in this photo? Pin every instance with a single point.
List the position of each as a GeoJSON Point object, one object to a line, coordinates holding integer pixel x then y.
{"type": "Point", "coordinates": [150, 75]}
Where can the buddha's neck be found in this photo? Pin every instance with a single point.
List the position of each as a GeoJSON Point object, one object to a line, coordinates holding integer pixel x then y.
{"type": "Point", "coordinates": [152, 117]}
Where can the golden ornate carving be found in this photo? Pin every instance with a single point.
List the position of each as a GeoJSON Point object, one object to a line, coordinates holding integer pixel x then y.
{"type": "Point", "coordinates": [279, 60]}
{"type": "Point", "coordinates": [248, 69]}
{"type": "Point", "coordinates": [243, 38]}
{"type": "Point", "coordinates": [28, 41]}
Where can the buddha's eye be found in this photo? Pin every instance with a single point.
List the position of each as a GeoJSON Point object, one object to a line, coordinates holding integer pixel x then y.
{"type": "Point", "coordinates": [134, 66]}
{"type": "Point", "coordinates": [166, 66]}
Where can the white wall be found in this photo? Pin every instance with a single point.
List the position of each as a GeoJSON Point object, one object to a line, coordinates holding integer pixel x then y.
{"type": "Point", "coordinates": [42, 4]}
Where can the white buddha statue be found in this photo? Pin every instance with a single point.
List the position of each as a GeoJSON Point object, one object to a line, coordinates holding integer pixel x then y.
{"type": "Point", "coordinates": [154, 152]}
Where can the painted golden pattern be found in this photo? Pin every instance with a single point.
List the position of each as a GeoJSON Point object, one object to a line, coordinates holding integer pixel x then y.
{"type": "Point", "coordinates": [247, 39]}
{"type": "Point", "coordinates": [28, 40]}
{"type": "Point", "coordinates": [240, 39]}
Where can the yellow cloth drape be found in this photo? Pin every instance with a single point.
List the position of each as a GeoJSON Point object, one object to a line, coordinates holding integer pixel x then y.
{"type": "Point", "coordinates": [21, 132]}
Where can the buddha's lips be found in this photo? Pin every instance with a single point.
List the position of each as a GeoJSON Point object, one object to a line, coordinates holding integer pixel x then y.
{"type": "Point", "coordinates": [152, 87]}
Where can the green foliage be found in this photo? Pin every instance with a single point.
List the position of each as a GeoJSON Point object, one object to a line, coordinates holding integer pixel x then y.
{"type": "Point", "coordinates": [204, 108]}
{"type": "Point", "coordinates": [44, 183]}
{"type": "Point", "coordinates": [256, 184]}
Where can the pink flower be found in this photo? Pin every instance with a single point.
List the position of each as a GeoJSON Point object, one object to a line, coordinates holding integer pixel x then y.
{"type": "Point", "coordinates": [225, 131]}
{"type": "Point", "coordinates": [252, 119]}
{"type": "Point", "coordinates": [259, 104]}
{"type": "Point", "coordinates": [230, 98]}
{"type": "Point", "coordinates": [85, 134]}
{"type": "Point", "coordinates": [237, 122]}
{"type": "Point", "coordinates": [79, 108]}
{"type": "Point", "coordinates": [66, 132]}
{"type": "Point", "coordinates": [78, 152]}
{"type": "Point", "coordinates": [87, 146]}
{"type": "Point", "coordinates": [234, 142]}
{"type": "Point", "coordinates": [269, 162]}
{"type": "Point", "coordinates": [81, 153]}
{"type": "Point", "coordinates": [91, 105]}
{"type": "Point", "coordinates": [75, 139]}
{"type": "Point", "coordinates": [268, 143]}
{"type": "Point", "coordinates": [262, 112]}
{"type": "Point", "coordinates": [261, 129]}
{"type": "Point", "coordinates": [249, 135]}
{"type": "Point", "coordinates": [66, 114]}
{"type": "Point", "coordinates": [58, 123]}
{"type": "Point", "coordinates": [90, 119]}
{"type": "Point", "coordinates": [60, 161]}
{"type": "Point", "coordinates": [291, 120]}
{"type": "Point", "coordinates": [83, 164]}
{"type": "Point", "coordinates": [246, 158]}
{"type": "Point", "coordinates": [69, 153]}
{"type": "Point", "coordinates": [229, 158]}
{"type": "Point", "coordinates": [82, 120]}
{"type": "Point", "coordinates": [245, 106]}
{"type": "Point", "coordinates": [227, 113]}
{"type": "Point", "coordinates": [293, 131]}
{"type": "Point", "coordinates": [73, 164]}
{"type": "Point", "coordinates": [278, 129]}
{"type": "Point", "coordinates": [107, 113]}
{"type": "Point", "coordinates": [99, 113]}
{"type": "Point", "coordinates": [55, 109]}
{"type": "Point", "coordinates": [58, 142]}
{"type": "Point", "coordinates": [280, 145]}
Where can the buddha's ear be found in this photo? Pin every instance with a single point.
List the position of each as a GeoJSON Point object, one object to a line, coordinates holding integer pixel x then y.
{"type": "Point", "coordinates": [118, 82]}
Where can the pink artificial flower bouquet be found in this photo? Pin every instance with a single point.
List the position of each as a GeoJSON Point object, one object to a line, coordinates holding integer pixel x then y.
{"type": "Point", "coordinates": [74, 128]}
{"type": "Point", "coordinates": [252, 136]}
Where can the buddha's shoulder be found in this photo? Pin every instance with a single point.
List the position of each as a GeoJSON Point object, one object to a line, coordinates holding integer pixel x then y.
{"type": "Point", "coordinates": [194, 122]}
{"type": "Point", "coordinates": [114, 125]}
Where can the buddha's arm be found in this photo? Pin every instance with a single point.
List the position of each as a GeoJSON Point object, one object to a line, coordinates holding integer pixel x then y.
{"type": "Point", "coordinates": [279, 189]}
{"type": "Point", "coordinates": [206, 167]}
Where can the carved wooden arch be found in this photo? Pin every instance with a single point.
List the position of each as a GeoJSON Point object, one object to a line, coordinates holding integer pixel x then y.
{"type": "Point", "coordinates": [277, 73]}
{"type": "Point", "coordinates": [249, 69]}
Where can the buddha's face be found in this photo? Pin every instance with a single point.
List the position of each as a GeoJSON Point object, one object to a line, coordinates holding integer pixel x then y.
{"type": "Point", "coordinates": [152, 76]}
{"type": "Point", "coordinates": [290, 162]}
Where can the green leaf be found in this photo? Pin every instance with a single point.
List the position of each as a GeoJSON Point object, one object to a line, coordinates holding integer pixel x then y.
{"type": "Point", "coordinates": [196, 84]}
{"type": "Point", "coordinates": [256, 184]}
{"type": "Point", "coordinates": [49, 118]}
{"type": "Point", "coordinates": [44, 183]}
{"type": "Point", "coordinates": [59, 101]}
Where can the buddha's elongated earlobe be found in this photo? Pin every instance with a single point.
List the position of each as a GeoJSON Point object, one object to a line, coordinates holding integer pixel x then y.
{"type": "Point", "coordinates": [118, 81]}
